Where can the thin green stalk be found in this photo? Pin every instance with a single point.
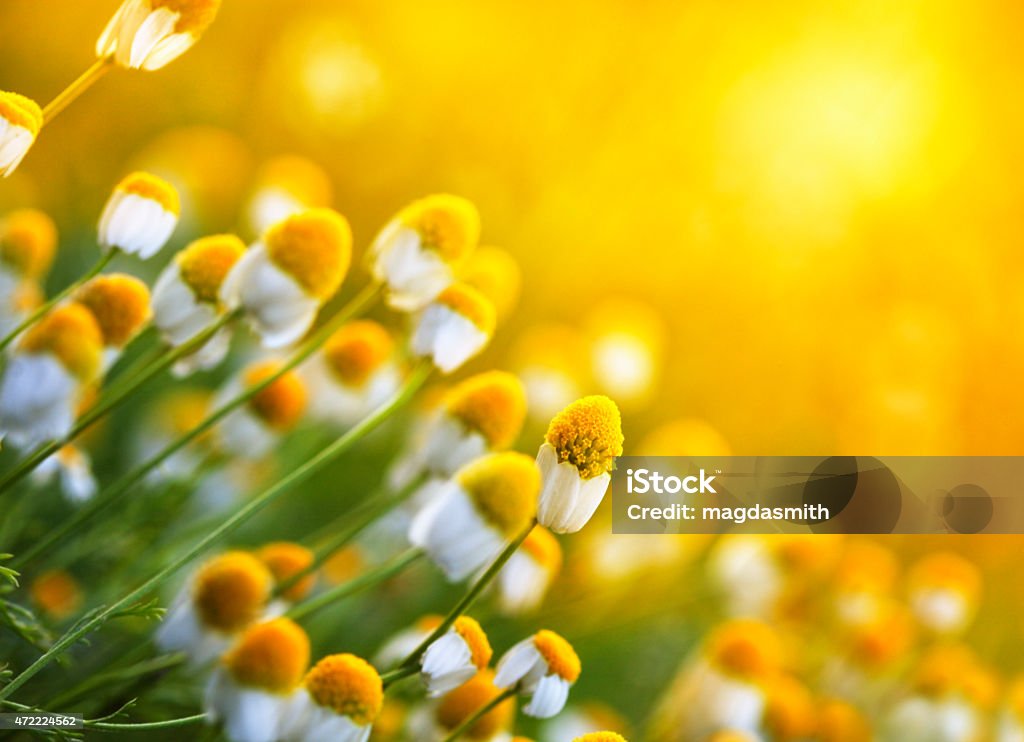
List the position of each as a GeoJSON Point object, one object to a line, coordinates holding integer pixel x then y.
{"type": "Point", "coordinates": [46, 306]}
{"type": "Point", "coordinates": [366, 580]}
{"type": "Point", "coordinates": [108, 403]}
{"type": "Point", "coordinates": [103, 726]}
{"type": "Point", "coordinates": [240, 516]}
{"type": "Point", "coordinates": [480, 713]}
{"type": "Point", "coordinates": [464, 604]}
{"type": "Point", "coordinates": [85, 81]}
{"type": "Point", "coordinates": [124, 486]}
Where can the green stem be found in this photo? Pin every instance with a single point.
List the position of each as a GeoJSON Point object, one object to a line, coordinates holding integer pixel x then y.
{"type": "Point", "coordinates": [108, 403]}
{"type": "Point", "coordinates": [366, 580]}
{"type": "Point", "coordinates": [46, 306]}
{"type": "Point", "coordinates": [85, 81]}
{"type": "Point", "coordinates": [480, 713]}
{"type": "Point", "coordinates": [240, 516]}
{"type": "Point", "coordinates": [103, 726]}
{"type": "Point", "coordinates": [464, 604]}
{"type": "Point", "coordinates": [124, 486]}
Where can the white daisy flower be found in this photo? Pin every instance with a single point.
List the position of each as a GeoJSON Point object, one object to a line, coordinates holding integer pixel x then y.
{"type": "Point", "coordinates": [415, 253]}
{"type": "Point", "coordinates": [455, 657]}
{"type": "Point", "coordinates": [149, 34]}
{"type": "Point", "coordinates": [437, 721]}
{"type": "Point", "coordinates": [28, 243]}
{"type": "Point", "coordinates": [576, 461]}
{"type": "Point", "coordinates": [584, 718]}
{"type": "Point", "coordinates": [186, 298]}
{"type": "Point", "coordinates": [120, 304]}
{"type": "Point", "coordinates": [340, 699]}
{"type": "Point", "coordinates": [20, 122]}
{"type": "Point", "coordinates": [541, 668]}
{"type": "Point", "coordinates": [526, 577]}
{"type": "Point", "coordinates": [487, 503]}
{"type": "Point", "coordinates": [253, 430]}
{"type": "Point", "coordinates": [140, 216]}
{"type": "Point", "coordinates": [454, 327]}
{"type": "Point", "coordinates": [255, 691]}
{"type": "Point", "coordinates": [282, 281]}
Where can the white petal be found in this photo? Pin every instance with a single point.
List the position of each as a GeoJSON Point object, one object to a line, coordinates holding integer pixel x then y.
{"type": "Point", "coordinates": [517, 664]}
{"type": "Point", "coordinates": [450, 446]}
{"type": "Point", "coordinates": [447, 337]}
{"type": "Point", "coordinates": [446, 664]}
{"type": "Point", "coordinates": [567, 501]}
{"type": "Point", "coordinates": [414, 276]}
{"type": "Point", "coordinates": [15, 142]}
{"type": "Point", "coordinates": [522, 583]}
{"type": "Point", "coordinates": [168, 50]}
{"type": "Point", "coordinates": [248, 715]}
{"type": "Point", "coordinates": [37, 399]}
{"type": "Point", "coordinates": [135, 224]}
{"type": "Point", "coordinates": [454, 535]}
{"type": "Point", "coordinates": [548, 698]}
{"type": "Point", "coordinates": [159, 24]}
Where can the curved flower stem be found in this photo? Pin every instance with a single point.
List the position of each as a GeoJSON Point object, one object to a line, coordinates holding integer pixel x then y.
{"type": "Point", "coordinates": [46, 306]}
{"type": "Point", "coordinates": [464, 604]}
{"type": "Point", "coordinates": [123, 486]}
{"type": "Point", "coordinates": [102, 726]}
{"type": "Point", "coordinates": [111, 401]}
{"type": "Point", "coordinates": [480, 713]}
{"type": "Point", "coordinates": [85, 81]}
{"type": "Point", "coordinates": [253, 506]}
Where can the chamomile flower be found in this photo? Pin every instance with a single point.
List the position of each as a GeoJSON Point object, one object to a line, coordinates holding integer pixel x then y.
{"type": "Point", "coordinates": [57, 594]}
{"type": "Point", "coordinates": [226, 595]}
{"type": "Point", "coordinates": [460, 704]}
{"type": "Point", "coordinates": [454, 327]}
{"type": "Point", "coordinates": [487, 503]}
{"type": "Point", "coordinates": [255, 689]}
{"type": "Point", "coordinates": [584, 718]}
{"type": "Point", "coordinates": [253, 430]}
{"type": "Point", "coordinates": [286, 186]}
{"type": "Point", "coordinates": [20, 122]}
{"type": "Point", "coordinates": [495, 274]}
{"type": "Point", "coordinates": [120, 304]}
{"type": "Point", "coordinates": [149, 34]}
{"type": "Point", "coordinates": [526, 577]}
{"type": "Point", "coordinates": [186, 298]}
{"type": "Point", "coordinates": [416, 253]}
{"type": "Point", "coordinates": [406, 641]}
{"type": "Point", "coordinates": [285, 559]}
{"type": "Point", "coordinates": [28, 242]}
{"type": "Point", "coordinates": [944, 592]}
{"type": "Point", "coordinates": [542, 668]}
{"type": "Point", "coordinates": [73, 468]}
{"type": "Point", "coordinates": [52, 365]}
{"type": "Point", "coordinates": [354, 373]}
{"type": "Point", "coordinates": [140, 215]}
{"type": "Point", "coordinates": [282, 281]}
{"type": "Point", "coordinates": [455, 657]}
{"type": "Point", "coordinates": [576, 460]}
{"type": "Point", "coordinates": [340, 698]}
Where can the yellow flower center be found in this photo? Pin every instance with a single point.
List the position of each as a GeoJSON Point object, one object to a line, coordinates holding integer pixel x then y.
{"type": "Point", "coordinates": [428, 623]}
{"type": "Point", "coordinates": [183, 410]}
{"type": "Point", "coordinates": [205, 263]}
{"type": "Point", "coordinates": [495, 274]}
{"type": "Point", "coordinates": [357, 350]}
{"type": "Point", "coordinates": [21, 111]}
{"type": "Point", "coordinates": [314, 248]}
{"type": "Point", "coordinates": [281, 404]}
{"type": "Point", "coordinates": [271, 656]}
{"type": "Point", "coordinates": [347, 684]}
{"type": "Point", "coordinates": [559, 655]}
{"type": "Point", "coordinates": [504, 487]}
{"type": "Point", "coordinates": [746, 649]}
{"type": "Point", "coordinates": [603, 737]}
{"type": "Point", "coordinates": [231, 590]}
{"type": "Point", "coordinates": [467, 302]}
{"type": "Point", "coordinates": [194, 16]}
{"type": "Point", "coordinates": [588, 434]}
{"type": "Point", "coordinates": [120, 304]}
{"type": "Point", "coordinates": [838, 721]}
{"type": "Point", "coordinates": [492, 404]}
{"type": "Point", "coordinates": [28, 241]}
{"type": "Point", "coordinates": [544, 548]}
{"type": "Point", "coordinates": [448, 225]}
{"type": "Point", "coordinates": [72, 335]}
{"type": "Point", "coordinates": [343, 565]}
{"type": "Point", "coordinates": [56, 593]}
{"type": "Point", "coordinates": [149, 186]}
{"type": "Point", "coordinates": [467, 699]}
{"type": "Point", "coordinates": [473, 634]}
{"type": "Point", "coordinates": [285, 559]}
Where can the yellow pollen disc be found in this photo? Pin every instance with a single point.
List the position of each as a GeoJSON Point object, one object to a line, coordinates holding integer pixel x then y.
{"type": "Point", "coordinates": [838, 721]}
{"type": "Point", "coordinates": [281, 404]}
{"type": "Point", "coordinates": [70, 333]}
{"type": "Point", "coordinates": [496, 275]}
{"type": "Point", "coordinates": [492, 404]}
{"type": "Point", "coordinates": [21, 111]}
{"type": "Point", "coordinates": [357, 350]}
{"type": "Point", "coordinates": [205, 263]}
{"type": "Point", "coordinates": [544, 548]}
{"type": "Point", "coordinates": [195, 16]}
{"type": "Point", "coordinates": [183, 410]}
{"type": "Point", "coordinates": [347, 684]}
{"type": "Point", "coordinates": [428, 623]}
{"type": "Point", "coordinates": [473, 634]}
{"type": "Point", "coordinates": [57, 593]}
{"type": "Point", "coordinates": [314, 248]}
{"type": "Point", "coordinates": [448, 225]}
{"type": "Point", "coordinates": [790, 711]}
{"type": "Point", "coordinates": [946, 570]}
{"type": "Point", "coordinates": [559, 655]}
{"type": "Point", "coordinates": [467, 302]}
{"type": "Point", "coordinates": [588, 434]}
{"type": "Point", "coordinates": [343, 565]}
{"type": "Point", "coordinates": [504, 487]}
{"type": "Point", "coordinates": [271, 656]}
{"type": "Point", "coordinates": [467, 699]}
{"type": "Point", "coordinates": [120, 304]}
{"type": "Point", "coordinates": [601, 737]}
{"type": "Point", "coordinates": [231, 590]}
{"type": "Point", "coordinates": [153, 188]}
{"type": "Point", "coordinates": [521, 739]}
{"type": "Point", "coordinates": [285, 559]}
{"type": "Point", "coordinates": [746, 649]}
{"type": "Point", "coordinates": [28, 242]}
